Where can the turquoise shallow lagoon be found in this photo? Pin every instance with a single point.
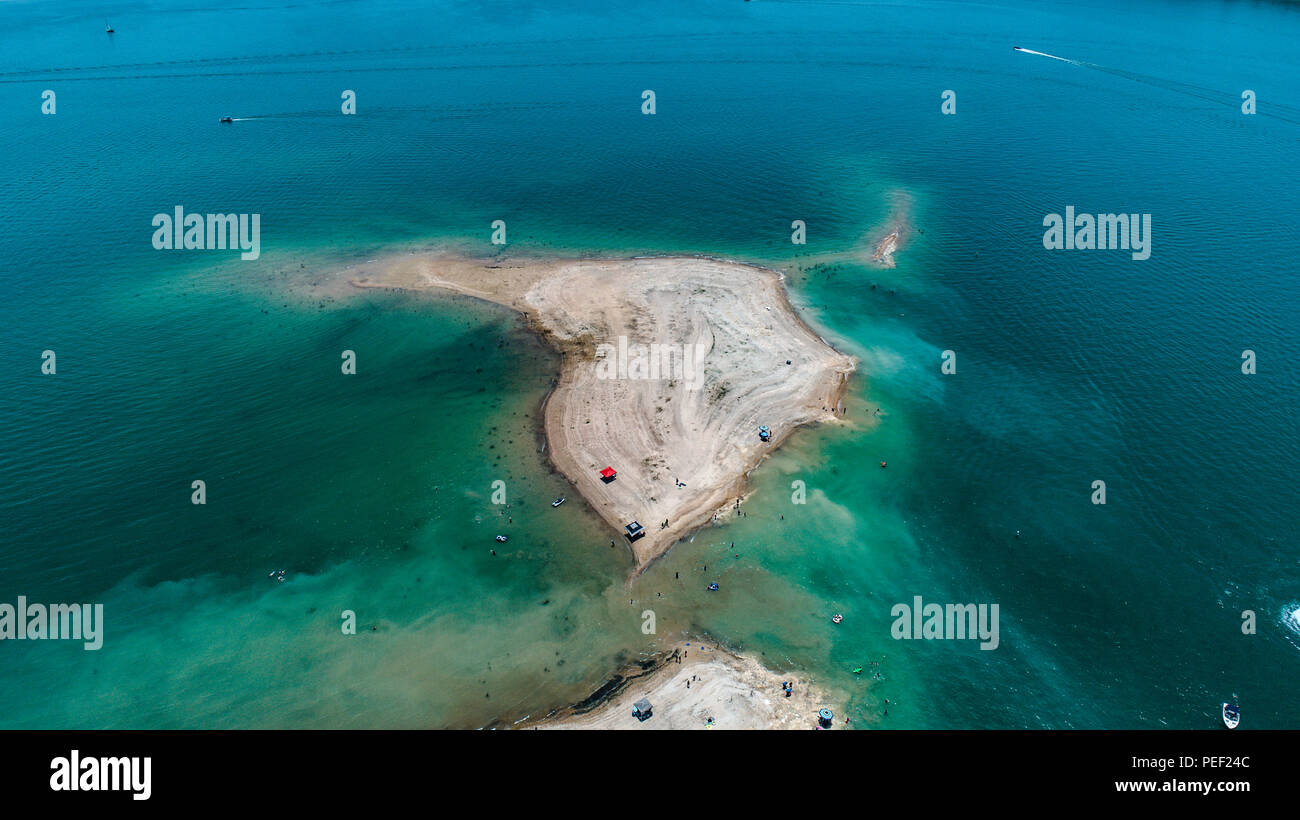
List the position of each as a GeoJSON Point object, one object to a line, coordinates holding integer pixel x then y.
{"type": "Point", "coordinates": [373, 491]}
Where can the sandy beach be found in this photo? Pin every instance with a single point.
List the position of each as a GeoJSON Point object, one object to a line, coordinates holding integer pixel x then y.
{"type": "Point", "coordinates": [725, 353]}
{"type": "Point", "coordinates": [725, 691]}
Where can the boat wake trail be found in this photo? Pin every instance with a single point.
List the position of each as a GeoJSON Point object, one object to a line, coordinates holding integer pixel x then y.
{"type": "Point", "coordinates": [1045, 54]}
{"type": "Point", "coordinates": [1278, 111]}
{"type": "Point", "coordinates": [1290, 619]}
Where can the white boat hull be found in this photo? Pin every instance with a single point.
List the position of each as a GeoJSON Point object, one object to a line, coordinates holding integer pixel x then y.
{"type": "Point", "coordinates": [1230, 720]}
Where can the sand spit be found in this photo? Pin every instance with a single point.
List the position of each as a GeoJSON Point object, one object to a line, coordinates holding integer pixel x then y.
{"type": "Point", "coordinates": [884, 251]}
{"type": "Point", "coordinates": [679, 421]}
{"type": "Point", "coordinates": [896, 232]}
{"type": "Point", "coordinates": [737, 692]}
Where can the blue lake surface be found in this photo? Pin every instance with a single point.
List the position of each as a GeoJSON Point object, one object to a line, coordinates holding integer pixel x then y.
{"type": "Point", "coordinates": [373, 492]}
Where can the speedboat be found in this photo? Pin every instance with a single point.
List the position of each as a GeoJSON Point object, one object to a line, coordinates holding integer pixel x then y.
{"type": "Point", "coordinates": [837, 618]}
{"type": "Point", "coordinates": [557, 502]}
{"type": "Point", "coordinates": [713, 587]}
{"type": "Point", "coordinates": [1231, 715]}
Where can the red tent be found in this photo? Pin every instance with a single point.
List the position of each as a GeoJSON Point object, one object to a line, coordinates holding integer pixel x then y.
{"type": "Point", "coordinates": [608, 473]}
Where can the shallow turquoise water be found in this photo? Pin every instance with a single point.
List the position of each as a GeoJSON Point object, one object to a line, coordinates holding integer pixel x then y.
{"type": "Point", "coordinates": [1072, 366]}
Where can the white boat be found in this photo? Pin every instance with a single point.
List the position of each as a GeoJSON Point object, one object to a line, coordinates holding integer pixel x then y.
{"type": "Point", "coordinates": [557, 502]}
{"type": "Point", "coordinates": [1231, 715]}
{"type": "Point", "coordinates": [501, 538]}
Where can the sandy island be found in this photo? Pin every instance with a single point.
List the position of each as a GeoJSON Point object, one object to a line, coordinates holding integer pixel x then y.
{"type": "Point", "coordinates": [726, 691]}
{"type": "Point", "coordinates": [683, 432]}
{"type": "Point", "coordinates": [896, 232]}
{"type": "Point", "coordinates": [885, 249]}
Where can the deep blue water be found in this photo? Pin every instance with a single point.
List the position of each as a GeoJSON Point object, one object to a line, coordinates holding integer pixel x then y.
{"type": "Point", "coordinates": [1073, 366]}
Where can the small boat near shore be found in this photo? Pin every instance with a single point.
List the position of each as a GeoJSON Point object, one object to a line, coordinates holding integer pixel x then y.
{"type": "Point", "coordinates": [557, 502]}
